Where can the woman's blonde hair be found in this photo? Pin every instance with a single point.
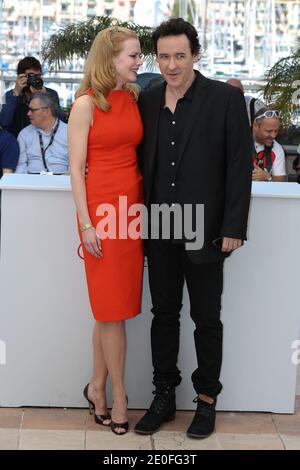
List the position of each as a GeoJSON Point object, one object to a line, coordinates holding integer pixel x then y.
{"type": "Point", "coordinates": [99, 69]}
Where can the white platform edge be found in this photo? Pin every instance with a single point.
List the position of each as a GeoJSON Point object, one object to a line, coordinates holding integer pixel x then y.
{"type": "Point", "coordinates": [287, 190]}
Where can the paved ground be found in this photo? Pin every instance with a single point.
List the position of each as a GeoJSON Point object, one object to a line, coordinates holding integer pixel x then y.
{"type": "Point", "coordinates": [56, 428]}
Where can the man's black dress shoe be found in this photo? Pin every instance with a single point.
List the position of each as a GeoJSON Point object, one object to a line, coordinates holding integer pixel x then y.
{"type": "Point", "coordinates": [162, 409]}
{"type": "Point", "coordinates": [203, 423]}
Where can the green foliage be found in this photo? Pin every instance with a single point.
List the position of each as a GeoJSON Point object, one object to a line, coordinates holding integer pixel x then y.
{"type": "Point", "coordinates": [282, 87]}
{"type": "Point", "coordinates": [76, 40]}
{"type": "Point", "coordinates": [176, 10]}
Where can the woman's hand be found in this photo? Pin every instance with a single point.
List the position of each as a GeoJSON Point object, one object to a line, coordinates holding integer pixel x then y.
{"type": "Point", "coordinates": [92, 242]}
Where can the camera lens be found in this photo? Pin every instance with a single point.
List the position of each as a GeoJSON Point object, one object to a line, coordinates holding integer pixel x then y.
{"type": "Point", "coordinates": [35, 81]}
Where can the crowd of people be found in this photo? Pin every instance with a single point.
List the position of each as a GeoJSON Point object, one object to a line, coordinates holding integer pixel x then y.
{"type": "Point", "coordinates": [33, 129]}
{"type": "Point", "coordinates": [43, 149]}
{"type": "Point", "coordinates": [185, 140]}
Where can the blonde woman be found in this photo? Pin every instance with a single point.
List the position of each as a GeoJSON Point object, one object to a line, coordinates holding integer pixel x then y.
{"type": "Point", "coordinates": [104, 131]}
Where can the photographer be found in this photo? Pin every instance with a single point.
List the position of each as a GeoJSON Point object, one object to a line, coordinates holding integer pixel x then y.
{"type": "Point", "coordinates": [13, 115]}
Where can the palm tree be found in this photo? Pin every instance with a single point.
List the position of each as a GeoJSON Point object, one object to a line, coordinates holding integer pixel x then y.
{"type": "Point", "coordinates": [283, 86]}
{"type": "Point", "coordinates": [76, 39]}
{"type": "Point", "coordinates": [190, 10]}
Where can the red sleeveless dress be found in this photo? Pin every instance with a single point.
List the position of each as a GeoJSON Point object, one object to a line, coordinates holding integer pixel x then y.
{"type": "Point", "coordinates": [114, 281]}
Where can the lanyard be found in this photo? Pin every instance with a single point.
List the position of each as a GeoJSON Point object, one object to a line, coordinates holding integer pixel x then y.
{"type": "Point", "coordinates": [264, 158]}
{"type": "Point", "coordinates": [43, 150]}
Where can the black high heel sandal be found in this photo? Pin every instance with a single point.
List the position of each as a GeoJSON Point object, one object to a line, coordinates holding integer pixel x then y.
{"type": "Point", "coordinates": [114, 425]}
{"type": "Point", "coordinates": [99, 419]}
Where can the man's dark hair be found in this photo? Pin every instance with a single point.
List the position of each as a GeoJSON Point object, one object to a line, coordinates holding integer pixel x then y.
{"type": "Point", "coordinates": [48, 101]}
{"type": "Point", "coordinates": [28, 63]}
{"type": "Point", "coordinates": [175, 27]}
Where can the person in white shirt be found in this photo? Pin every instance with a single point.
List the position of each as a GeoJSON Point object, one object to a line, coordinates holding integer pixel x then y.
{"type": "Point", "coordinates": [268, 158]}
{"type": "Point", "coordinates": [43, 144]}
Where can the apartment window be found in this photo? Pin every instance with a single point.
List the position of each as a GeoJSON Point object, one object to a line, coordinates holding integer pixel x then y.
{"type": "Point", "coordinates": [64, 6]}
{"type": "Point", "coordinates": [131, 10]}
{"type": "Point", "coordinates": [47, 23]}
{"type": "Point", "coordinates": [31, 23]}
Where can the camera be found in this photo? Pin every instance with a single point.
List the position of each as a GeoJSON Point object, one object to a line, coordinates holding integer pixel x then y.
{"type": "Point", "coordinates": [35, 81]}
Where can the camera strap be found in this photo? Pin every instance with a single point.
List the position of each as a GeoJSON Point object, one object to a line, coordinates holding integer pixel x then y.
{"type": "Point", "coordinates": [43, 149]}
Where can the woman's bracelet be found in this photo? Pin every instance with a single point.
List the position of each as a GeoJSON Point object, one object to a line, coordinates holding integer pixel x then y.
{"type": "Point", "coordinates": [84, 227]}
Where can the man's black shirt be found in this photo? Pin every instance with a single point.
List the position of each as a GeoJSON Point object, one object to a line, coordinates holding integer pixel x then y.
{"type": "Point", "coordinates": [170, 130]}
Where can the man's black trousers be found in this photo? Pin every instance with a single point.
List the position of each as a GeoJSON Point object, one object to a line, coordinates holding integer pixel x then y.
{"type": "Point", "coordinates": [169, 265]}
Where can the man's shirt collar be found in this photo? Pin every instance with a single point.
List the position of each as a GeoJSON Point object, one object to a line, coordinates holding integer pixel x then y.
{"type": "Point", "coordinates": [39, 129]}
{"type": "Point", "coordinates": [189, 92]}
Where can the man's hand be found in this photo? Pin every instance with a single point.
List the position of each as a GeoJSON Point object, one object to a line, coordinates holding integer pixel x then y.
{"type": "Point", "coordinates": [230, 244]}
{"type": "Point", "coordinates": [260, 175]}
{"type": "Point", "coordinates": [21, 82]}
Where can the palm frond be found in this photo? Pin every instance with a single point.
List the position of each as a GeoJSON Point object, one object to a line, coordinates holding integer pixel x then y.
{"type": "Point", "coordinates": [282, 87]}
{"type": "Point", "coordinates": [76, 40]}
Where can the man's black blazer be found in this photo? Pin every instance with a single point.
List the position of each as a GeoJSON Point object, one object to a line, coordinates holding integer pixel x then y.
{"type": "Point", "coordinates": [214, 165]}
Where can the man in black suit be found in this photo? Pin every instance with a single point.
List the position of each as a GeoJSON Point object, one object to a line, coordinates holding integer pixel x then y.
{"type": "Point", "coordinates": [196, 150]}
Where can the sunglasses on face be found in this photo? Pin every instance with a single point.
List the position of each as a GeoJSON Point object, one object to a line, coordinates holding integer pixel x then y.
{"type": "Point", "coordinates": [269, 114]}
{"type": "Point", "coordinates": [32, 110]}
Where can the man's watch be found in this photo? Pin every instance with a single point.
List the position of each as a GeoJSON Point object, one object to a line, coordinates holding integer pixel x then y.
{"type": "Point", "coordinates": [269, 176]}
